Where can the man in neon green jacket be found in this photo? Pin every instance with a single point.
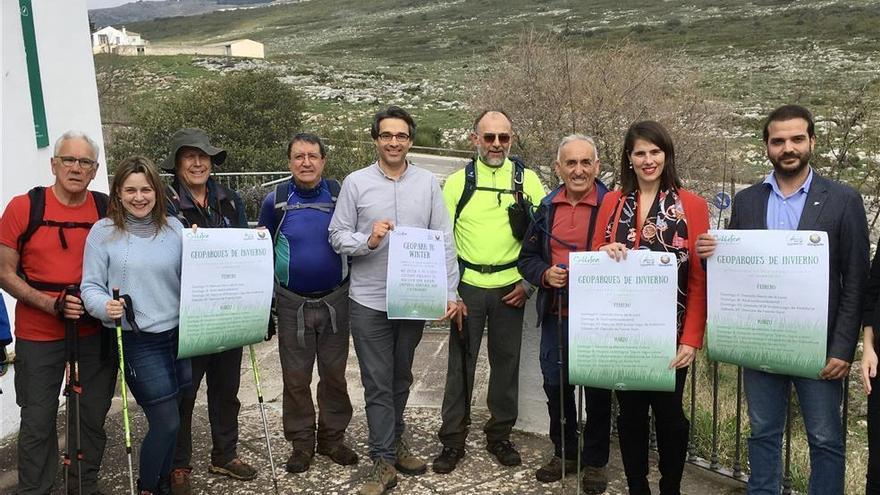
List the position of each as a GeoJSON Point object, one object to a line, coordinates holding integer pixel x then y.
{"type": "Point", "coordinates": [488, 238]}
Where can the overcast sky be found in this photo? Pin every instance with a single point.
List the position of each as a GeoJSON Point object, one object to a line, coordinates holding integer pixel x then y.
{"type": "Point", "coordinates": [99, 4]}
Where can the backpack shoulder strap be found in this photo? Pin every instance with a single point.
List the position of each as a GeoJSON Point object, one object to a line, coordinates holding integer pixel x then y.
{"type": "Point", "coordinates": [102, 201]}
{"type": "Point", "coordinates": [174, 203]}
{"type": "Point", "coordinates": [470, 185]}
{"type": "Point", "coordinates": [335, 187]}
{"type": "Point", "coordinates": [37, 198]}
{"type": "Point", "coordinates": [280, 210]}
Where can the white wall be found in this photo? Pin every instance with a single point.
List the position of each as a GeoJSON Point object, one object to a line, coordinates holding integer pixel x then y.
{"type": "Point", "coordinates": [71, 100]}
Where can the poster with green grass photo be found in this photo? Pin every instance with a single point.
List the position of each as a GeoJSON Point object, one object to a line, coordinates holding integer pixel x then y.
{"type": "Point", "coordinates": [768, 300]}
{"type": "Point", "coordinates": [622, 320]}
{"type": "Point", "coordinates": [225, 289]}
{"type": "Point", "coordinates": [416, 288]}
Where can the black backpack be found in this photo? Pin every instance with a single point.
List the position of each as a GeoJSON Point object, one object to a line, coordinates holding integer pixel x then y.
{"type": "Point", "coordinates": [37, 197]}
{"type": "Point", "coordinates": [281, 206]}
{"type": "Point", "coordinates": [519, 213]}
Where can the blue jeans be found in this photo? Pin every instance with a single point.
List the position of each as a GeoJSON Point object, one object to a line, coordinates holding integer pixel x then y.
{"type": "Point", "coordinates": [156, 377]}
{"type": "Point", "coordinates": [152, 370]}
{"type": "Point", "coordinates": [767, 395]}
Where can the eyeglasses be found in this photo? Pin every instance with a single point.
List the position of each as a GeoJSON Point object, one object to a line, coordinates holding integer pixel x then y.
{"type": "Point", "coordinates": [84, 163]}
{"type": "Point", "coordinates": [401, 137]}
{"type": "Point", "coordinates": [490, 137]}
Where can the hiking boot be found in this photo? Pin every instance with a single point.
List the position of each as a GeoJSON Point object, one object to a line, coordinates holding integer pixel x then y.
{"type": "Point", "coordinates": [552, 471]}
{"type": "Point", "coordinates": [180, 481]}
{"type": "Point", "coordinates": [299, 461]}
{"type": "Point", "coordinates": [407, 462]}
{"type": "Point", "coordinates": [382, 477]}
{"type": "Point", "coordinates": [447, 460]}
{"type": "Point", "coordinates": [236, 469]}
{"type": "Point", "coordinates": [505, 452]}
{"type": "Point", "coordinates": [595, 480]}
{"type": "Point", "coordinates": [340, 454]}
{"type": "Point", "coordinates": [163, 487]}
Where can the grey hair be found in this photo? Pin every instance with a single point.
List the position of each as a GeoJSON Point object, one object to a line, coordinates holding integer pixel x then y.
{"type": "Point", "coordinates": [577, 137]}
{"type": "Point", "coordinates": [72, 134]}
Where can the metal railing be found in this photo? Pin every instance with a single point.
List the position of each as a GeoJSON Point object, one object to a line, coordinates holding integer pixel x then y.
{"type": "Point", "coordinates": [734, 468]}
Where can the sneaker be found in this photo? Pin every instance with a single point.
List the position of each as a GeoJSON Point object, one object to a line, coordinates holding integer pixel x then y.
{"type": "Point", "coordinates": [340, 454]}
{"type": "Point", "coordinates": [299, 461]}
{"type": "Point", "coordinates": [407, 462]}
{"type": "Point", "coordinates": [180, 481]}
{"type": "Point", "coordinates": [382, 477]}
{"type": "Point", "coordinates": [552, 471]}
{"type": "Point", "coordinates": [447, 460]}
{"type": "Point", "coordinates": [505, 452]}
{"type": "Point", "coordinates": [595, 480]}
{"type": "Point", "coordinates": [236, 469]}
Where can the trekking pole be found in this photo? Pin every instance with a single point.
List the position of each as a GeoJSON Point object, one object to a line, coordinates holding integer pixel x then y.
{"type": "Point", "coordinates": [68, 389]}
{"type": "Point", "coordinates": [124, 395]}
{"type": "Point", "coordinates": [560, 320]}
{"type": "Point", "coordinates": [77, 389]}
{"type": "Point", "coordinates": [263, 415]}
{"type": "Point", "coordinates": [580, 436]}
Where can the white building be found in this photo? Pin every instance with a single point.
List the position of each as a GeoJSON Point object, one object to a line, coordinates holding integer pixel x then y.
{"type": "Point", "coordinates": [108, 39]}
{"type": "Point", "coordinates": [68, 100]}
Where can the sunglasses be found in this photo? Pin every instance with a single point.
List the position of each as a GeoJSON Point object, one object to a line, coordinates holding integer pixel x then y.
{"type": "Point", "coordinates": [489, 138]}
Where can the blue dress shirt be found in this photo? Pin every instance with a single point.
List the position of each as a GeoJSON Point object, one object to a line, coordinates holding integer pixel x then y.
{"type": "Point", "coordinates": [784, 212]}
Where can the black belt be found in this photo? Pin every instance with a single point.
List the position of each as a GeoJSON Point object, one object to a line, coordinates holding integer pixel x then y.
{"type": "Point", "coordinates": [486, 268]}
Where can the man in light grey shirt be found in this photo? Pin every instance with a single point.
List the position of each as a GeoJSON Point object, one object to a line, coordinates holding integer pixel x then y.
{"type": "Point", "coordinates": [374, 200]}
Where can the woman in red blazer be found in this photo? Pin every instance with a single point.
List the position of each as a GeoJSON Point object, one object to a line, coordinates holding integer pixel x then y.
{"type": "Point", "coordinates": [653, 211]}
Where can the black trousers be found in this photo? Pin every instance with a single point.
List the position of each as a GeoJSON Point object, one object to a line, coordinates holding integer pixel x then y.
{"type": "Point", "coordinates": [223, 376]}
{"type": "Point", "coordinates": [597, 430]}
{"type": "Point", "coordinates": [633, 424]}
{"type": "Point", "coordinates": [873, 476]}
{"type": "Point", "coordinates": [39, 374]}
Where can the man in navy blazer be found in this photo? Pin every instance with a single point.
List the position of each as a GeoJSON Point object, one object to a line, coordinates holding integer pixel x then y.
{"type": "Point", "coordinates": [794, 197]}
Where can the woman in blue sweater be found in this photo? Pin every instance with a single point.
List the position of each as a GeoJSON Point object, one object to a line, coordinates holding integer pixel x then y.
{"type": "Point", "coordinates": [138, 250]}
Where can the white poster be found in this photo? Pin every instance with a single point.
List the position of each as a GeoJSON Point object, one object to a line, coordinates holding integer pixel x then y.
{"type": "Point", "coordinates": [226, 289]}
{"type": "Point", "coordinates": [768, 300]}
{"type": "Point", "coordinates": [622, 320]}
{"type": "Point", "coordinates": [416, 284]}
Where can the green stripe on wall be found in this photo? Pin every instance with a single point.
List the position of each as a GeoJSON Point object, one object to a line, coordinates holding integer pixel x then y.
{"type": "Point", "coordinates": [33, 67]}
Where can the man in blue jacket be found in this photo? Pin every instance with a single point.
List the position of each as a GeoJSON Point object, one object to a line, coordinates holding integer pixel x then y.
{"type": "Point", "coordinates": [311, 298]}
{"type": "Point", "coordinates": [564, 222]}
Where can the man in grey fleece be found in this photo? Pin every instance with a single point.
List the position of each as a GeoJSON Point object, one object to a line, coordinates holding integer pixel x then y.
{"type": "Point", "coordinates": [374, 200]}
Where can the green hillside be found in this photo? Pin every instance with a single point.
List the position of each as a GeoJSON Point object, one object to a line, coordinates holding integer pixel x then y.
{"type": "Point", "coordinates": [754, 53]}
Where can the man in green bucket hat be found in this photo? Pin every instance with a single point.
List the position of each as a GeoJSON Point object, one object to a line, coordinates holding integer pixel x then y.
{"type": "Point", "coordinates": [196, 198]}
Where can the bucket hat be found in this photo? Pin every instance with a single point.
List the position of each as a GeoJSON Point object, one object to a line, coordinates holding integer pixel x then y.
{"type": "Point", "coordinates": [193, 138]}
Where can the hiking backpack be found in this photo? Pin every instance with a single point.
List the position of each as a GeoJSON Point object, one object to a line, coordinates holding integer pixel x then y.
{"type": "Point", "coordinates": [37, 197]}
{"type": "Point", "coordinates": [282, 207]}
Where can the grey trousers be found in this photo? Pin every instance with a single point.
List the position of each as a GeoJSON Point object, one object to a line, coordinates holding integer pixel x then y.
{"type": "Point", "coordinates": [39, 374]}
{"type": "Point", "coordinates": [385, 350]}
{"type": "Point", "coordinates": [504, 341]}
{"type": "Point", "coordinates": [298, 354]}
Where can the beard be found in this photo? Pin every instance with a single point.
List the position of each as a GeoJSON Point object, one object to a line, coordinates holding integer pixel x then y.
{"type": "Point", "coordinates": [492, 162]}
{"type": "Point", "coordinates": [803, 162]}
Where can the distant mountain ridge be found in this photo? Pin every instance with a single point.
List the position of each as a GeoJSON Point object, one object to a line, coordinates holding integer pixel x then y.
{"type": "Point", "coordinates": [148, 10]}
